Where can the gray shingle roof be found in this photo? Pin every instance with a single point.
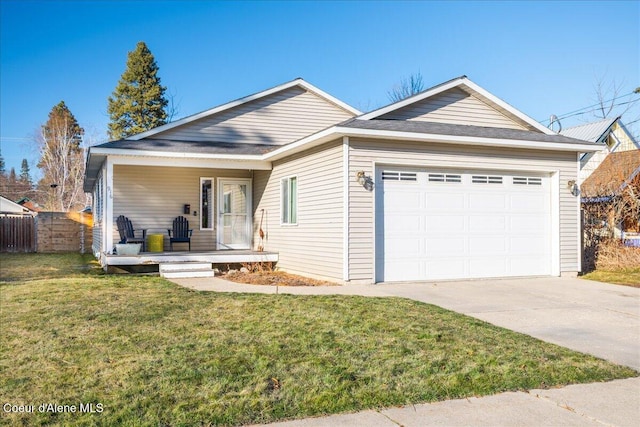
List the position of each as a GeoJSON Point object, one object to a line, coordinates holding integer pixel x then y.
{"type": "Point", "coordinates": [456, 130]}
{"type": "Point", "coordinates": [190, 147]}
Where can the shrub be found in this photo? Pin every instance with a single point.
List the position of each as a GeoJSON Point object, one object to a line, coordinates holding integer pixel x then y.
{"type": "Point", "coordinates": [613, 255]}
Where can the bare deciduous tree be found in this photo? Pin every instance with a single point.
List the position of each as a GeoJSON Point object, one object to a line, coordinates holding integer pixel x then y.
{"type": "Point", "coordinates": [610, 204]}
{"type": "Point", "coordinates": [406, 88]}
{"type": "Point", "coordinates": [61, 160]}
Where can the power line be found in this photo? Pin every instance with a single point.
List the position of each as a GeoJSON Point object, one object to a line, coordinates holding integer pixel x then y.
{"type": "Point", "coordinates": [581, 110]}
{"type": "Point", "coordinates": [595, 109]}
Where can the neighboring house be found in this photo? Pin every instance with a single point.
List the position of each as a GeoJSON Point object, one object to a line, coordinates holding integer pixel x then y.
{"type": "Point", "coordinates": [618, 176]}
{"type": "Point", "coordinates": [10, 208]}
{"type": "Point", "coordinates": [29, 204]}
{"type": "Point", "coordinates": [612, 136]}
{"type": "Point", "coordinates": [451, 183]}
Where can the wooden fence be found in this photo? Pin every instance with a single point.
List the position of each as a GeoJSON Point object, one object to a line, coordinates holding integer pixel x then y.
{"type": "Point", "coordinates": [64, 232]}
{"type": "Point", "coordinates": [48, 232]}
{"type": "Point", "coordinates": [17, 234]}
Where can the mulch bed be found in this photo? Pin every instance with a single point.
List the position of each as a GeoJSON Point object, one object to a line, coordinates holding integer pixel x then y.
{"type": "Point", "coordinates": [273, 278]}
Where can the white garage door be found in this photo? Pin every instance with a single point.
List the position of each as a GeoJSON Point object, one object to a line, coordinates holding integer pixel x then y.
{"type": "Point", "coordinates": [435, 224]}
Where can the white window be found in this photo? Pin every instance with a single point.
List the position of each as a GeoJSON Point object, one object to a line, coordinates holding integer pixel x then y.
{"type": "Point", "coordinates": [612, 142]}
{"type": "Point", "coordinates": [442, 177]}
{"type": "Point", "coordinates": [486, 179]}
{"type": "Point", "coordinates": [206, 204]}
{"type": "Point", "coordinates": [289, 200]}
{"type": "Point", "coordinates": [527, 180]}
{"type": "Point", "coordinates": [399, 176]}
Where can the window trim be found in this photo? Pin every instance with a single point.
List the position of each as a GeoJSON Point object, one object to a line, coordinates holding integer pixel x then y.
{"type": "Point", "coordinates": [290, 208]}
{"type": "Point", "coordinates": [211, 210]}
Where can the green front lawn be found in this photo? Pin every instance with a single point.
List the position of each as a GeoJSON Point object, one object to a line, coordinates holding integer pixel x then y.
{"type": "Point", "coordinates": [153, 353]}
{"type": "Point", "coordinates": [629, 276]}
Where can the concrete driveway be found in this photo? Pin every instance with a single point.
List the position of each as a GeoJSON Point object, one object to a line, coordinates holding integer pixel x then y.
{"type": "Point", "coordinates": [591, 317]}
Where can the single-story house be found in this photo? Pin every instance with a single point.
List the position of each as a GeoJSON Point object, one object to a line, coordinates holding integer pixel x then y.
{"type": "Point", "coordinates": [611, 196]}
{"type": "Point", "coordinates": [451, 183]}
{"type": "Point", "coordinates": [11, 208]}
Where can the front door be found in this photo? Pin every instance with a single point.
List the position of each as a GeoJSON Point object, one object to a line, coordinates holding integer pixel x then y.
{"type": "Point", "coordinates": [234, 213]}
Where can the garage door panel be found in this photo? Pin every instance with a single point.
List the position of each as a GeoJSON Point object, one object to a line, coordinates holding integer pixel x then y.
{"type": "Point", "coordinates": [445, 268]}
{"type": "Point", "coordinates": [405, 270]}
{"type": "Point", "coordinates": [528, 223]}
{"type": "Point", "coordinates": [444, 246]}
{"type": "Point", "coordinates": [530, 266]}
{"type": "Point", "coordinates": [487, 223]}
{"type": "Point", "coordinates": [529, 202]}
{"type": "Point", "coordinates": [445, 202]}
{"type": "Point", "coordinates": [445, 223]}
{"type": "Point", "coordinates": [487, 245]}
{"type": "Point", "coordinates": [402, 200]}
{"type": "Point", "coordinates": [533, 245]}
{"type": "Point", "coordinates": [487, 267]}
{"type": "Point", "coordinates": [429, 229]}
{"type": "Point", "coordinates": [487, 202]}
{"type": "Point", "coordinates": [398, 247]}
{"type": "Point", "coordinates": [405, 223]}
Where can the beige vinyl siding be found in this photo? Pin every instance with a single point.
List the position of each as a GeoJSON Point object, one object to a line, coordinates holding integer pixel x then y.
{"type": "Point", "coordinates": [455, 107]}
{"type": "Point", "coordinates": [96, 233]}
{"type": "Point", "coordinates": [626, 143]}
{"type": "Point", "coordinates": [364, 154]}
{"type": "Point", "coordinates": [276, 119]}
{"type": "Point", "coordinates": [313, 246]}
{"type": "Point", "coordinates": [151, 197]}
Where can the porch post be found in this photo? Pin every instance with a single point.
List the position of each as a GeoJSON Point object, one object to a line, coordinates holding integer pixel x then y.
{"type": "Point", "coordinates": [108, 208]}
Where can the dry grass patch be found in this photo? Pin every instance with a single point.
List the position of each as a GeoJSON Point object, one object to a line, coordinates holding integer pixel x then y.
{"type": "Point", "coordinates": [628, 277]}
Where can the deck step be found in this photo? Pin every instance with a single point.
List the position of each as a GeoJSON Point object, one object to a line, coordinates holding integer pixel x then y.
{"type": "Point", "coordinates": [178, 270]}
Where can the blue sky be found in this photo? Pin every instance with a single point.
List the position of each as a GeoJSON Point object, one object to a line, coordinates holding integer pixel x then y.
{"type": "Point", "coordinates": [541, 57]}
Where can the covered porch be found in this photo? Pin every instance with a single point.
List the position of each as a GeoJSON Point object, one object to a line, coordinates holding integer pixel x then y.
{"type": "Point", "coordinates": [212, 192]}
{"type": "Point", "coordinates": [236, 256]}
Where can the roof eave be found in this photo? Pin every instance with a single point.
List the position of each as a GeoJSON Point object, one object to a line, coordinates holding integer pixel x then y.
{"type": "Point", "coordinates": [340, 131]}
{"type": "Point", "coordinates": [468, 140]}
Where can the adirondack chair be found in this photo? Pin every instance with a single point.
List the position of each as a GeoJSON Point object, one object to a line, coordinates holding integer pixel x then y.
{"type": "Point", "coordinates": [180, 233]}
{"type": "Point", "coordinates": [128, 233]}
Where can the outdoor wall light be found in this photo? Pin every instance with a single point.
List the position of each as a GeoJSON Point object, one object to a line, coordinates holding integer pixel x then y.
{"type": "Point", "coordinates": [364, 180]}
{"type": "Point", "coordinates": [573, 187]}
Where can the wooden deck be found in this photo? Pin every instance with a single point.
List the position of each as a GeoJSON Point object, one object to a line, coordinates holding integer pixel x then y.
{"type": "Point", "coordinates": [214, 257]}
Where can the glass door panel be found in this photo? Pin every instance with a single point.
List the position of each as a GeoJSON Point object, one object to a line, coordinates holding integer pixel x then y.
{"type": "Point", "coordinates": [234, 224]}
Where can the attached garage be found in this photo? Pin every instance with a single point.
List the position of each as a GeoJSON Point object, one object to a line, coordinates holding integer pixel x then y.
{"type": "Point", "coordinates": [459, 224]}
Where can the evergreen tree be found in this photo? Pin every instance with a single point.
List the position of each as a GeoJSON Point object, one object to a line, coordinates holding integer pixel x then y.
{"type": "Point", "coordinates": [25, 173]}
{"type": "Point", "coordinates": [62, 159]}
{"type": "Point", "coordinates": [138, 103]}
{"type": "Point", "coordinates": [2, 165]}
{"type": "Point", "coordinates": [12, 180]}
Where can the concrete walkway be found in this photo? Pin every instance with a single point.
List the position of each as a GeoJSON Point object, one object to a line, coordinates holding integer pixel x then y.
{"type": "Point", "coordinates": [616, 403]}
{"type": "Point", "coordinates": [591, 317]}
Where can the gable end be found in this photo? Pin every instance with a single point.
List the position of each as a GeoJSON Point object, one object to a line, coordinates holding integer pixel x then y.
{"type": "Point", "coordinates": [455, 106]}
